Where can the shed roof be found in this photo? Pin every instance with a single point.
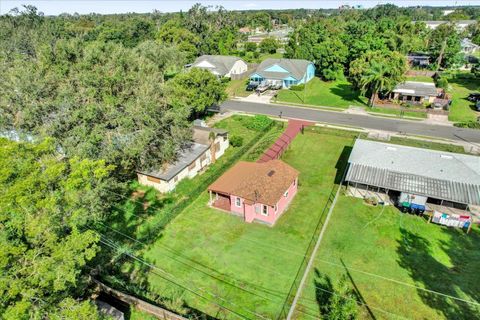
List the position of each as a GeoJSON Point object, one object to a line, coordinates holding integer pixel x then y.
{"type": "Point", "coordinates": [295, 67]}
{"type": "Point", "coordinates": [437, 174]}
{"type": "Point", "coordinates": [188, 154]}
{"type": "Point", "coordinates": [223, 64]}
{"type": "Point", "coordinates": [417, 88]}
{"type": "Point", "coordinates": [256, 182]}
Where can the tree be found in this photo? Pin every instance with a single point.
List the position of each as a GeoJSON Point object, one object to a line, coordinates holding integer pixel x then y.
{"type": "Point", "coordinates": [377, 71]}
{"type": "Point", "coordinates": [330, 58]}
{"type": "Point", "coordinates": [172, 33]}
{"type": "Point", "coordinates": [250, 47]}
{"type": "Point", "coordinates": [444, 45]}
{"type": "Point", "coordinates": [268, 45]}
{"type": "Point", "coordinates": [99, 100]}
{"type": "Point", "coordinates": [47, 205]}
{"type": "Point", "coordinates": [196, 90]}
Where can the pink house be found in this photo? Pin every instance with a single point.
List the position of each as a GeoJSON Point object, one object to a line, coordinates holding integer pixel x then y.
{"type": "Point", "coordinates": [255, 191]}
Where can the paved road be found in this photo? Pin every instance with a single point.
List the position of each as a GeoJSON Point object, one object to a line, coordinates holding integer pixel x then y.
{"type": "Point", "coordinates": [362, 121]}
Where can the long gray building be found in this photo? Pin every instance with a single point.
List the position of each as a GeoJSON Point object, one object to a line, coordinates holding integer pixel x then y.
{"type": "Point", "coordinates": [452, 177]}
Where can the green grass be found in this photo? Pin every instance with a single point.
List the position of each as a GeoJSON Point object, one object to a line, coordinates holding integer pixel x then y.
{"type": "Point", "coordinates": [322, 93]}
{"type": "Point", "coordinates": [402, 247]}
{"type": "Point", "coordinates": [460, 86]}
{"type": "Point", "coordinates": [139, 315]}
{"type": "Point", "coordinates": [427, 145]}
{"type": "Point", "coordinates": [420, 78]}
{"type": "Point", "coordinates": [236, 88]}
{"type": "Point", "coordinates": [250, 265]}
{"type": "Point", "coordinates": [396, 112]}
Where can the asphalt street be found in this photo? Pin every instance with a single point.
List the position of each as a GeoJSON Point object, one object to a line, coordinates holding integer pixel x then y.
{"type": "Point", "coordinates": [359, 121]}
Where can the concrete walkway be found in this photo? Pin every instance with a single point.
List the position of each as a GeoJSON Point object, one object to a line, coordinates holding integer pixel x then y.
{"type": "Point", "coordinates": [279, 146]}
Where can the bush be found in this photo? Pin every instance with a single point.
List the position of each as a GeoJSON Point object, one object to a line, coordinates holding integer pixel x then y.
{"type": "Point", "coordinates": [236, 141]}
{"type": "Point", "coordinates": [298, 87]}
{"type": "Point", "coordinates": [468, 124]}
{"type": "Point", "coordinates": [441, 82]}
{"type": "Point", "coordinates": [258, 122]}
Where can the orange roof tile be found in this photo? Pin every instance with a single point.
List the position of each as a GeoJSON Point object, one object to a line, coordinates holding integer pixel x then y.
{"type": "Point", "coordinates": [257, 182]}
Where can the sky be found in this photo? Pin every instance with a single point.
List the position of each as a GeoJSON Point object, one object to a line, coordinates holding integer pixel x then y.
{"type": "Point", "coordinates": [55, 7]}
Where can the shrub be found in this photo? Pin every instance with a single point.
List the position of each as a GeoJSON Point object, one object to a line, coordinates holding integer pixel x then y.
{"type": "Point", "coordinates": [258, 122]}
{"type": "Point", "coordinates": [442, 82]}
{"type": "Point", "coordinates": [236, 141]}
{"type": "Point", "coordinates": [298, 87]}
{"type": "Point", "coordinates": [468, 124]}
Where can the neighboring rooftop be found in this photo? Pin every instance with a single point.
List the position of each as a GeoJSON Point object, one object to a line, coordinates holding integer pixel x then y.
{"type": "Point", "coordinates": [295, 67]}
{"type": "Point", "coordinates": [256, 182]}
{"type": "Point", "coordinates": [436, 174]}
{"type": "Point", "coordinates": [417, 88]}
{"type": "Point", "coordinates": [221, 65]}
{"type": "Point", "coordinates": [467, 43]}
{"type": "Point", "coordinates": [188, 154]}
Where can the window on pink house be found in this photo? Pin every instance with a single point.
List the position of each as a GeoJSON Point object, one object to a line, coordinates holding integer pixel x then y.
{"type": "Point", "coordinates": [285, 194]}
{"type": "Point", "coordinates": [238, 202]}
{"type": "Point", "coordinates": [276, 208]}
{"type": "Point", "coordinates": [294, 182]}
{"type": "Point", "coordinates": [265, 210]}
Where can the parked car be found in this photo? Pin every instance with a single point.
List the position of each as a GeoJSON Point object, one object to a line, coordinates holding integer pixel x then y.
{"type": "Point", "coordinates": [262, 88]}
{"type": "Point", "coordinates": [473, 97]}
{"type": "Point", "coordinates": [277, 86]}
{"type": "Point", "coordinates": [252, 86]}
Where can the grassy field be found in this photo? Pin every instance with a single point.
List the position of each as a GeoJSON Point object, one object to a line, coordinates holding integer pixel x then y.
{"type": "Point", "coordinates": [246, 267]}
{"type": "Point", "coordinates": [236, 88]}
{"type": "Point", "coordinates": [460, 86]}
{"type": "Point", "coordinates": [402, 247]}
{"type": "Point", "coordinates": [322, 93]}
{"type": "Point", "coordinates": [420, 78]}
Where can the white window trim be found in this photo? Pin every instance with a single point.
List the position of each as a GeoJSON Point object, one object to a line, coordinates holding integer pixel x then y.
{"type": "Point", "coordinates": [263, 207]}
{"type": "Point", "coordinates": [238, 202]}
{"type": "Point", "coordinates": [285, 194]}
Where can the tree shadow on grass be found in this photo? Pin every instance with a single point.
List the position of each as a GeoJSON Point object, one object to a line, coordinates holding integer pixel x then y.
{"type": "Point", "coordinates": [335, 301]}
{"type": "Point", "coordinates": [468, 81]}
{"type": "Point", "coordinates": [347, 93]}
{"type": "Point", "coordinates": [416, 256]}
{"type": "Point", "coordinates": [129, 218]}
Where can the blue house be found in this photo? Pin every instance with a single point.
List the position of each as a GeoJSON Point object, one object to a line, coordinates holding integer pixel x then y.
{"type": "Point", "coordinates": [286, 72]}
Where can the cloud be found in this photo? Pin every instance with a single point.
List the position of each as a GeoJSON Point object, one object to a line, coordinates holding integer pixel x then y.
{"type": "Point", "coordinates": [250, 5]}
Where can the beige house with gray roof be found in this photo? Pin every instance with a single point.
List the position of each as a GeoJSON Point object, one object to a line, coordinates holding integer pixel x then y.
{"type": "Point", "coordinates": [221, 66]}
{"type": "Point", "coordinates": [207, 146]}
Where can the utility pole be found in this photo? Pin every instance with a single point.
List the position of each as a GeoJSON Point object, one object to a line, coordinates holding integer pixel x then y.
{"type": "Point", "coordinates": [440, 56]}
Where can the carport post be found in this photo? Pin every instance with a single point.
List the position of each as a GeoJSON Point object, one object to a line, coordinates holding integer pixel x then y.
{"type": "Point", "coordinates": [210, 191]}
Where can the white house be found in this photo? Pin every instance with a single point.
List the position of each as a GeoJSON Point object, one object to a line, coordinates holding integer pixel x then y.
{"type": "Point", "coordinates": [207, 146]}
{"type": "Point", "coordinates": [468, 47]}
{"type": "Point", "coordinates": [221, 66]}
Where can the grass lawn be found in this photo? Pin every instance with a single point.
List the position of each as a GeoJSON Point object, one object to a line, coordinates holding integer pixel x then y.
{"type": "Point", "coordinates": [246, 267]}
{"type": "Point", "coordinates": [322, 93]}
{"type": "Point", "coordinates": [398, 246]}
{"type": "Point", "coordinates": [460, 86]}
{"type": "Point", "coordinates": [420, 115]}
{"type": "Point", "coordinates": [420, 78]}
{"type": "Point", "coordinates": [236, 88]}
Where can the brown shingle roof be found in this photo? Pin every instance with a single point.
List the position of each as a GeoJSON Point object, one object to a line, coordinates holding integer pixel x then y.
{"type": "Point", "coordinates": [257, 182]}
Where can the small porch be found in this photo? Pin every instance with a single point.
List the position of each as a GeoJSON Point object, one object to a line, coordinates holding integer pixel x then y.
{"type": "Point", "coordinates": [220, 201]}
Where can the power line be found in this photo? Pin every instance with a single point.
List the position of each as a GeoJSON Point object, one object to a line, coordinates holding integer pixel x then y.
{"type": "Point", "coordinates": [325, 261]}
{"type": "Point", "coordinates": [399, 282]}
{"type": "Point", "coordinates": [167, 273]}
{"type": "Point", "coordinates": [192, 267]}
{"type": "Point", "coordinates": [154, 268]}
